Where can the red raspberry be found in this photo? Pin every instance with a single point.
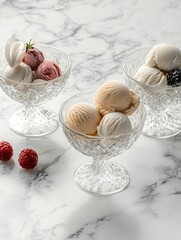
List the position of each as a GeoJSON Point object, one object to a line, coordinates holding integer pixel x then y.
{"type": "Point", "coordinates": [28, 158]}
{"type": "Point", "coordinates": [6, 151]}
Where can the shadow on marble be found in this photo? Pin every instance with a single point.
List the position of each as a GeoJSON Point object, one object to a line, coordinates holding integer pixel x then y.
{"type": "Point", "coordinates": [100, 219]}
{"type": "Point", "coordinates": [177, 137]}
{"type": "Point", "coordinates": [7, 167]}
{"type": "Point", "coordinates": [50, 155]}
{"type": "Point", "coordinates": [41, 143]}
{"type": "Point", "coordinates": [41, 173]}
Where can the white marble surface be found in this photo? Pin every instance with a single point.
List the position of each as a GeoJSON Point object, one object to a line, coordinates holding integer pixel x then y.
{"type": "Point", "coordinates": [44, 204]}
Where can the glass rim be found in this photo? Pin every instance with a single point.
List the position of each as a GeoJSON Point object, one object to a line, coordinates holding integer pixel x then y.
{"type": "Point", "coordinates": [45, 82]}
{"type": "Point", "coordinates": [92, 136]}
{"type": "Point", "coordinates": [140, 83]}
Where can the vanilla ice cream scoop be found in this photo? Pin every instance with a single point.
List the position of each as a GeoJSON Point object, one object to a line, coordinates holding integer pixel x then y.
{"type": "Point", "coordinates": [114, 96]}
{"type": "Point", "coordinates": [22, 73]}
{"type": "Point", "coordinates": [164, 56]}
{"type": "Point", "coordinates": [151, 76]}
{"type": "Point", "coordinates": [114, 124]}
{"type": "Point", "coordinates": [83, 118]}
{"type": "Point", "coordinates": [14, 51]}
{"type": "Point", "coordinates": [135, 101]}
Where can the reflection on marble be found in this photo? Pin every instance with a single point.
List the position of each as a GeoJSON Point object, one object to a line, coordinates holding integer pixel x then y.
{"type": "Point", "coordinates": [45, 204]}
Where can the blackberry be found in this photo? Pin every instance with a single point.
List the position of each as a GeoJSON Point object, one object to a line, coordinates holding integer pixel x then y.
{"type": "Point", "coordinates": [174, 78]}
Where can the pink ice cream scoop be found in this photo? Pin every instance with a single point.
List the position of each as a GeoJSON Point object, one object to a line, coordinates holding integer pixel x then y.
{"type": "Point", "coordinates": [48, 70]}
{"type": "Point", "coordinates": [33, 57]}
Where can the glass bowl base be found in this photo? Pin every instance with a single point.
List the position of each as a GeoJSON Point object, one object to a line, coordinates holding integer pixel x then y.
{"type": "Point", "coordinates": [111, 181]}
{"type": "Point", "coordinates": [163, 126]}
{"type": "Point", "coordinates": [33, 123]}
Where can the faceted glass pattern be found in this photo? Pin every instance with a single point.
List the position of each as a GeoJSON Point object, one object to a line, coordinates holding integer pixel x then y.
{"type": "Point", "coordinates": [33, 120]}
{"type": "Point", "coordinates": [160, 121]}
{"type": "Point", "coordinates": [101, 176]}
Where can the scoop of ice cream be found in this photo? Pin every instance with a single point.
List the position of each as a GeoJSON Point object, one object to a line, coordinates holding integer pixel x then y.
{"type": "Point", "coordinates": [135, 101]}
{"type": "Point", "coordinates": [48, 70]}
{"type": "Point", "coordinates": [14, 51]}
{"type": "Point", "coordinates": [33, 57]}
{"type": "Point", "coordinates": [164, 56]}
{"type": "Point", "coordinates": [22, 73]}
{"type": "Point", "coordinates": [151, 76]}
{"type": "Point", "coordinates": [83, 118]}
{"type": "Point", "coordinates": [114, 124]}
{"type": "Point", "coordinates": [114, 96]}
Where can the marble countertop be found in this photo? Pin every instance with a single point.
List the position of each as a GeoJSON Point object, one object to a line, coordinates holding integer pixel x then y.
{"type": "Point", "coordinates": [45, 204]}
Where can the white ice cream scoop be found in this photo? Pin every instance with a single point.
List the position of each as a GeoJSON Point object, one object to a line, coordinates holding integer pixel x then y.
{"type": "Point", "coordinates": [22, 73]}
{"type": "Point", "coordinates": [114, 124]}
{"type": "Point", "coordinates": [14, 51]}
{"type": "Point", "coordinates": [164, 56]}
{"type": "Point", "coordinates": [151, 76]}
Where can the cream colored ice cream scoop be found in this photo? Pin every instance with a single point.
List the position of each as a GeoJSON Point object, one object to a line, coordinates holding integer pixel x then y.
{"type": "Point", "coordinates": [151, 76]}
{"type": "Point", "coordinates": [14, 51]}
{"type": "Point", "coordinates": [22, 73]}
{"type": "Point", "coordinates": [114, 96]}
{"type": "Point", "coordinates": [84, 118]}
{"type": "Point", "coordinates": [114, 124]}
{"type": "Point", "coordinates": [164, 56]}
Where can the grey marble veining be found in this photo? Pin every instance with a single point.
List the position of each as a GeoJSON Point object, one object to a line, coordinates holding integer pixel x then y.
{"type": "Point", "coordinates": [45, 204]}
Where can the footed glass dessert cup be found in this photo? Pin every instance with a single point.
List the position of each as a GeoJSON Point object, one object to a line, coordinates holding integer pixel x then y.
{"type": "Point", "coordinates": [33, 120]}
{"type": "Point", "coordinates": [160, 120]}
{"type": "Point", "coordinates": [101, 176]}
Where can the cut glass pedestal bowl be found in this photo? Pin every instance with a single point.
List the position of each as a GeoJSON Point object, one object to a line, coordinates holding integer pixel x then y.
{"type": "Point", "coordinates": [161, 122]}
{"type": "Point", "coordinates": [102, 175]}
{"type": "Point", "coordinates": [33, 120]}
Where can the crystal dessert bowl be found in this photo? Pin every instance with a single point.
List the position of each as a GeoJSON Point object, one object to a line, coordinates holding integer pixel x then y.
{"type": "Point", "coordinates": [102, 175]}
{"type": "Point", "coordinates": [33, 120]}
{"type": "Point", "coordinates": [161, 122]}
